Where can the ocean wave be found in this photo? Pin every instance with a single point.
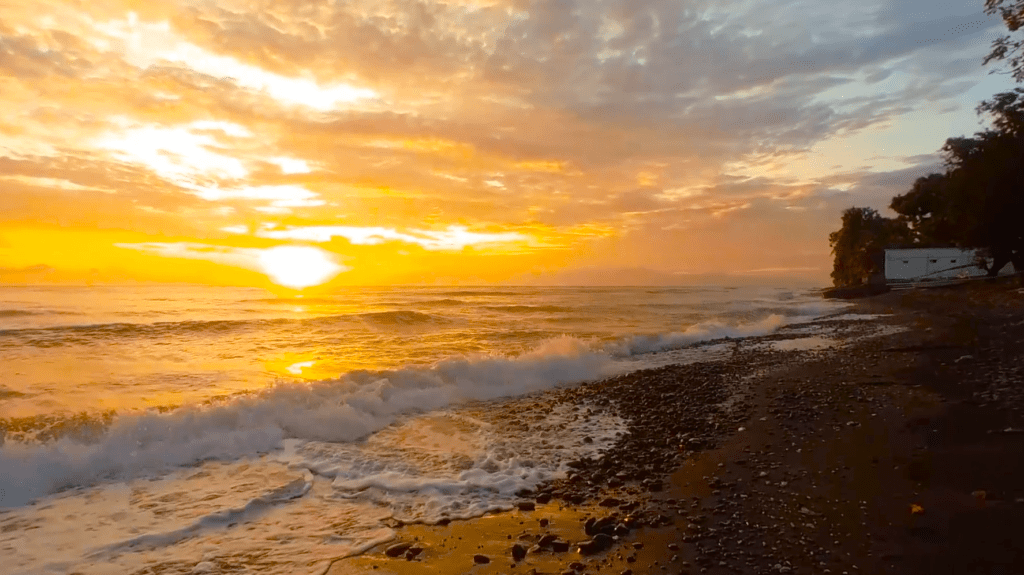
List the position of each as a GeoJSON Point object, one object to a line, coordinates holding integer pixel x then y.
{"type": "Point", "coordinates": [292, 301]}
{"type": "Point", "coordinates": [440, 302]}
{"type": "Point", "coordinates": [340, 410]}
{"type": "Point", "coordinates": [8, 393]}
{"type": "Point", "coordinates": [528, 308]}
{"type": "Point", "coordinates": [16, 313]}
{"type": "Point", "coordinates": [461, 293]}
{"type": "Point", "coordinates": [78, 334]}
{"type": "Point", "coordinates": [252, 510]}
{"type": "Point", "coordinates": [701, 332]}
{"type": "Point", "coordinates": [398, 317]}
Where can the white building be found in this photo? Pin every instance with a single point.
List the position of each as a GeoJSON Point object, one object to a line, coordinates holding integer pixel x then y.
{"type": "Point", "coordinates": [929, 264]}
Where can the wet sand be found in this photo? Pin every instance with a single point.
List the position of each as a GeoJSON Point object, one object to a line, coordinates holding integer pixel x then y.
{"type": "Point", "coordinates": [893, 453]}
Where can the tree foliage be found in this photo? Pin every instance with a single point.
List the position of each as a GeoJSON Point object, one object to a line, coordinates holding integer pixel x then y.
{"type": "Point", "coordinates": [859, 245]}
{"type": "Point", "coordinates": [979, 201]}
{"type": "Point", "coordinates": [1005, 47]}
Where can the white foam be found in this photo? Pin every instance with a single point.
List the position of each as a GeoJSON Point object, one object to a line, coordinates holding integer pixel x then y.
{"type": "Point", "coordinates": [341, 410]}
{"type": "Point", "coordinates": [252, 510]}
{"type": "Point", "coordinates": [855, 317]}
{"type": "Point", "coordinates": [294, 511]}
{"type": "Point", "coordinates": [705, 331]}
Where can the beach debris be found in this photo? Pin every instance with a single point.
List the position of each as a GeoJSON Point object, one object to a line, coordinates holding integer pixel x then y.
{"type": "Point", "coordinates": [481, 559]}
{"type": "Point", "coordinates": [916, 509]}
{"type": "Point", "coordinates": [527, 506]}
{"type": "Point", "coordinates": [963, 358]}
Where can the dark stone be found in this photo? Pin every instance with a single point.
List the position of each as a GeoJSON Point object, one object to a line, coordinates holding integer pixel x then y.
{"type": "Point", "coordinates": [397, 549]}
{"type": "Point", "coordinates": [518, 552]}
{"type": "Point", "coordinates": [543, 498]}
{"type": "Point", "coordinates": [599, 543]}
{"type": "Point", "coordinates": [604, 525]}
{"type": "Point", "coordinates": [546, 540]}
{"type": "Point", "coordinates": [559, 546]}
{"type": "Point", "coordinates": [481, 559]}
{"type": "Point", "coordinates": [527, 506]}
{"type": "Point", "coordinates": [610, 502]}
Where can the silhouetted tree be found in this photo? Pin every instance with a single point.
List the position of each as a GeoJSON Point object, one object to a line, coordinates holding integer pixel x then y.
{"type": "Point", "coordinates": [859, 245]}
{"type": "Point", "coordinates": [979, 201]}
{"type": "Point", "coordinates": [1012, 13]}
{"type": "Point", "coordinates": [925, 209]}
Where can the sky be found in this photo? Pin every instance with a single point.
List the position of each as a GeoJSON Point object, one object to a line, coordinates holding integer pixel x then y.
{"type": "Point", "coordinates": [306, 145]}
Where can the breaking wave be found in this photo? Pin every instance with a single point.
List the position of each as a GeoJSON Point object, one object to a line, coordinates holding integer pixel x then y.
{"type": "Point", "coordinates": [339, 410]}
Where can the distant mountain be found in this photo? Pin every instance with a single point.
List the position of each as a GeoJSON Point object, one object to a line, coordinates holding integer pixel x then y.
{"type": "Point", "coordinates": [647, 277]}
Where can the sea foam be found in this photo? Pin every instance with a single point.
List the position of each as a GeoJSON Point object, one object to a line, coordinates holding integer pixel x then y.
{"type": "Point", "coordinates": [340, 410]}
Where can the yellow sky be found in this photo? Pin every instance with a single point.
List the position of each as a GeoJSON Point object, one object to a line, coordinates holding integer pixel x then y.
{"type": "Point", "coordinates": [298, 144]}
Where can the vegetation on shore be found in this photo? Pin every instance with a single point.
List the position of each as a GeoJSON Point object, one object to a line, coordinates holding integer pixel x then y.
{"type": "Point", "coordinates": [978, 202]}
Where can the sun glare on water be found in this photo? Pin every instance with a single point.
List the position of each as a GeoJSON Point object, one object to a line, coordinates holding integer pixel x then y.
{"type": "Point", "coordinates": [298, 267]}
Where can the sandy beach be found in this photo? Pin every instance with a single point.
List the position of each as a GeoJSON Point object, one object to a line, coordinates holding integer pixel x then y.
{"type": "Point", "coordinates": [894, 445]}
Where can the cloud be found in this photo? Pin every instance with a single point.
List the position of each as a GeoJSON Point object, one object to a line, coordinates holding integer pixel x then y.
{"type": "Point", "coordinates": [454, 238]}
{"type": "Point", "coordinates": [612, 129]}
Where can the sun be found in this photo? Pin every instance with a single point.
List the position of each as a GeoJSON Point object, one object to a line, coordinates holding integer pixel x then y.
{"type": "Point", "coordinates": [298, 267]}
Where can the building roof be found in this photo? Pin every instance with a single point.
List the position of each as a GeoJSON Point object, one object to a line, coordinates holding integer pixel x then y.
{"type": "Point", "coordinates": [929, 252]}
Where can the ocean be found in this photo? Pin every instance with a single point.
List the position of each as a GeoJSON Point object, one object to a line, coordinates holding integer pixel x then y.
{"type": "Point", "coordinates": [175, 429]}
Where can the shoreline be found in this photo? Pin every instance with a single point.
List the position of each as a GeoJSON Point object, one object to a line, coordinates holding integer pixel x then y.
{"type": "Point", "coordinates": [836, 446]}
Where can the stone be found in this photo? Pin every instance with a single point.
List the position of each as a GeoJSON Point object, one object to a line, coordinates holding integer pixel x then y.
{"type": "Point", "coordinates": [397, 549]}
{"type": "Point", "coordinates": [599, 543]}
{"type": "Point", "coordinates": [527, 506]}
{"type": "Point", "coordinates": [546, 540]}
{"type": "Point", "coordinates": [518, 552]}
{"type": "Point", "coordinates": [481, 559]}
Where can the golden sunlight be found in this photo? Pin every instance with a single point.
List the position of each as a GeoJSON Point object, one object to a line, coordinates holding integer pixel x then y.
{"type": "Point", "coordinates": [298, 266]}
